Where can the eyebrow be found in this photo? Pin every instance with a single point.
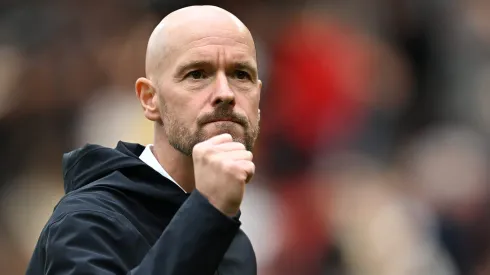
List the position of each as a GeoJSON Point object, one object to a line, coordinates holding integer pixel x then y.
{"type": "Point", "coordinates": [240, 65]}
{"type": "Point", "coordinates": [181, 69]}
{"type": "Point", "coordinates": [246, 66]}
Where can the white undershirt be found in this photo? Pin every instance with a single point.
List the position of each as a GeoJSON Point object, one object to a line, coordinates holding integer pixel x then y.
{"type": "Point", "coordinates": [150, 159]}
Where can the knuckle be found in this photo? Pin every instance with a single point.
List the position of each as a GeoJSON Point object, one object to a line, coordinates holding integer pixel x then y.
{"type": "Point", "coordinates": [211, 158]}
{"type": "Point", "coordinates": [243, 177]}
{"type": "Point", "coordinates": [236, 145]}
{"type": "Point", "coordinates": [250, 168]}
{"type": "Point", "coordinates": [229, 166]}
{"type": "Point", "coordinates": [249, 155]}
{"type": "Point", "coordinates": [198, 148]}
{"type": "Point", "coordinates": [208, 151]}
{"type": "Point", "coordinates": [203, 152]}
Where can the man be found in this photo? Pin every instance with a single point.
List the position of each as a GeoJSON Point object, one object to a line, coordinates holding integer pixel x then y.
{"type": "Point", "coordinates": [171, 207]}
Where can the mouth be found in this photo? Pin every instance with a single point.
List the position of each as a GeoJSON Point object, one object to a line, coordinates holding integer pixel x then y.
{"type": "Point", "coordinates": [223, 120]}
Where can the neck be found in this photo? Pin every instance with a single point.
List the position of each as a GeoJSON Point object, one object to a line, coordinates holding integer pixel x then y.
{"type": "Point", "coordinates": [177, 165]}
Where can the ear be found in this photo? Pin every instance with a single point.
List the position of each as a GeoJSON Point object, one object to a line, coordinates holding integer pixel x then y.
{"type": "Point", "coordinates": [260, 87]}
{"type": "Point", "coordinates": [148, 98]}
{"type": "Point", "coordinates": [259, 91]}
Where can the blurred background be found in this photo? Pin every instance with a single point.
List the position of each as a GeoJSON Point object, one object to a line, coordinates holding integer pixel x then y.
{"type": "Point", "coordinates": [374, 152]}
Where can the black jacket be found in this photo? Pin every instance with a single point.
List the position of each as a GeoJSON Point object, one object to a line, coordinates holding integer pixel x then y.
{"type": "Point", "coordinates": [119, 216]}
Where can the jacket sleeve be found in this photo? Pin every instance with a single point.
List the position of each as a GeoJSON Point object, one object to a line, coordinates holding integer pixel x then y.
{"type": "Point", "coordinates": [194, 242]}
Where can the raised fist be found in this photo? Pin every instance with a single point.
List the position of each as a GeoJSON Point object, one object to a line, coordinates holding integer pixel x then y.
{"type": "Point", "coordinates": [222, 167]}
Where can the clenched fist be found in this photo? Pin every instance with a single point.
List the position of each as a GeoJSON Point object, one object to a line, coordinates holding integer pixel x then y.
{"type": "Point", "coordinates": [222, 167]}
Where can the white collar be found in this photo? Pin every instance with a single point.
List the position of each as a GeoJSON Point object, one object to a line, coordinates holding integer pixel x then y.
{"type": "Point", "coordinates": [149, 158]}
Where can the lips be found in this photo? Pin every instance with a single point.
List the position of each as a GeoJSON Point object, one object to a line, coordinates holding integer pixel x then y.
{"type": "Point", "coordinates": [223, 120]}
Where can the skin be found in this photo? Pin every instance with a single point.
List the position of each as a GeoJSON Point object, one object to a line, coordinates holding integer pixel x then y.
{"type": "Point", "coordinates": [201, 82]}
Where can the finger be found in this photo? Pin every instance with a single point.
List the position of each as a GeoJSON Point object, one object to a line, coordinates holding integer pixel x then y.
{"type": "Point", "coordinates": [236, 155]}
{"type": "Point", "coordinates": [249, 168]}
{"type": "Point", "coordinates": [219, 139]}
{"type": "Point", "coordinates": [230, 146]}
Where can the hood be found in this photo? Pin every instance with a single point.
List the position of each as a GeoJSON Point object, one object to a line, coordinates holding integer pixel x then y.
{"type": "Point", "coordinates": [92, 162]}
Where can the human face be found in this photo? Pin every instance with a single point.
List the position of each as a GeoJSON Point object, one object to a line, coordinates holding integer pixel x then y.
{"type": "Point", "coordinates": [210, 87]}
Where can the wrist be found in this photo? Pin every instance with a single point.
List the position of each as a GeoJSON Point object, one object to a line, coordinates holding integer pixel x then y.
{"type": "Point", "coordinates": [224, 208]}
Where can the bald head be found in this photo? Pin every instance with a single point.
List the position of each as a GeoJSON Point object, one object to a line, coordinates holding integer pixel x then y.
{"type": "Point", "coordinates": [184, 26]}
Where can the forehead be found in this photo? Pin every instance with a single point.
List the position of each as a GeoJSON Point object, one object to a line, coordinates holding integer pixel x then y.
{"type": "Point", "coordinates": [215, 44]}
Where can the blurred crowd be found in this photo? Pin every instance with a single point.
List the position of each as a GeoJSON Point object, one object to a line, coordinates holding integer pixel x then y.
{"type": "Point", "coordinates": [373, 156]}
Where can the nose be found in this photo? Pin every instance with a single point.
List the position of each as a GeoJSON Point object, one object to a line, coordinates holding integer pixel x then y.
{"type": "Point", "coordinates": [223, 93]}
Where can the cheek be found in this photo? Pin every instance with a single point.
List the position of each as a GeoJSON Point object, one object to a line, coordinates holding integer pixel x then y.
{"type": "Point", "coordinates": [250, 104]}
{"type": "Point", "coordinates": [185, 112]}
{"type": "Point", "coordinates": [254, 118]}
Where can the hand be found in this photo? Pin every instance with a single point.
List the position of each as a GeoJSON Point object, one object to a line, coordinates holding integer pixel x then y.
{"type": "Point", "coordinates": [222, 168]}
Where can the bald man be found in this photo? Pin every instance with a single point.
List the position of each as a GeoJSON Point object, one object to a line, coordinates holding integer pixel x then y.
{"type": "Point", "coordinates": [171, 207]}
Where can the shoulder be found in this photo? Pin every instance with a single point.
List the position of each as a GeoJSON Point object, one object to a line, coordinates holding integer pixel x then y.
{"type": "Point", "coordinates": [80, 233]}
{"type": "Point", "coordinates": [82, 221]}
{"type": "Point", "coordinates": [81, 209]}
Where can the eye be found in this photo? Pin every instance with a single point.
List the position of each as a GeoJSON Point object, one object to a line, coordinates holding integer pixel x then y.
{"type": "Point", "coordinates": [242, 75]}
{"type": "Point", "coordinates": [198, 74]}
